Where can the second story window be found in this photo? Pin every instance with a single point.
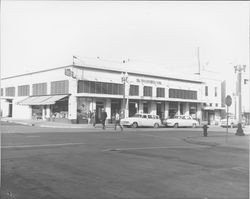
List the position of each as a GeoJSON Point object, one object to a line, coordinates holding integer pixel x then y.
{"type": "Point", "coordinates": [147, 91]}
{"type": "Point", "coordinates": [215, 91]}
{"type": "Point", "coordinates": [134, 90]}
{"type": "Point", "coordinates": [206, 90]}
{"type": "Point", "coordinates": [10, 91]}
{"type": "Point", "coordinates": [23, 90]}
{"type": "Point", "coordinates": [160, 92]}
{"type": "Point", "coordinates": [39, 89]}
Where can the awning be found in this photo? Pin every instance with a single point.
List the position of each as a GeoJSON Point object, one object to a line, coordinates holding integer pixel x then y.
{"type": "Point", "coordinates": [42, 100]}
{"type": "Point", "coordinates": [213, 108]}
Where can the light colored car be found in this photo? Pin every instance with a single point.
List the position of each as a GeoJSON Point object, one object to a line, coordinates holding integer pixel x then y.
{"type": "Point", "coordinates": [181, 121]}
{"type": "Point", "coordinates": [232, 122]}
{"type": "Point", "coordinates": [142, 119]}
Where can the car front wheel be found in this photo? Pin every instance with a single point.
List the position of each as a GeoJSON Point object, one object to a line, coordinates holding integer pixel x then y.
{"type": "Point", "coordinates": [135, 125]}
{"type": "Point", "coordinates": [156, 125]}
{"type": "Point", "coordinates": [176, 125]}
{"type": "Point", "coordinates": [194, 125]}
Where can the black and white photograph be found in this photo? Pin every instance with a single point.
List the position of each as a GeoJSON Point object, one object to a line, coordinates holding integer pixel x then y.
{"type": "Point", "coordinates": [124, 99]}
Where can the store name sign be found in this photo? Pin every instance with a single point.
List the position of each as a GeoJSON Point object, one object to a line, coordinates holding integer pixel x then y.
{"type": "Point", "coordinates": [148, 81]}
{"type": "Point", "coordinates": [69, 72]}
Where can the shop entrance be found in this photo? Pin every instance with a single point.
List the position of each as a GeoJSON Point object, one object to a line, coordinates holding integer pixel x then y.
{"type": "Point", "coordinates": [159, 109]}
{"type": "Point", "coordinates": [10, 108]}
{"type": "Point", "coordinates": [99, 107]}
{"type": "Point", "coordinates": [133, 108]}
{"type": "Point", "coordinates": [115, 106]}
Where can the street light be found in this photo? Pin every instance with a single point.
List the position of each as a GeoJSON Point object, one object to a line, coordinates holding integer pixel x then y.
{"type": "Point", "coordinates": [238, 69]}
{"type": "Point", "coordinates": [124, 78]}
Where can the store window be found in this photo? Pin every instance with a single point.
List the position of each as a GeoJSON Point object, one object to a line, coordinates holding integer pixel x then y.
{"type": "Point", "coordinates": [134, 90]}
{"type": "Point", "coordinates": [10, 91]}
{"type": "Point", "coordinates": [193, 109]}
{"type": "Point", "coordinates": [39, 89]}
{"type": "Point", "coordinates": [23, 90]}
{"type": "Point", "coordinates": [173, 109]}
{"type": "Point", "coordinates": [1, 91]}
{"type": "Point", "coordinates": [145, 107]}
{"type": "Point", "coordinates": [99, 87]}
{"type": "Point", "coordinates": [147, 91]}
{"type": "Point", "coordinates": [160, 92]}
{"type": "Point", "coordinates": [182, 94]}
{"type": "Point", "coordinates": [59, 87]}
{"type": "Point", "coordinates": [59, 110]}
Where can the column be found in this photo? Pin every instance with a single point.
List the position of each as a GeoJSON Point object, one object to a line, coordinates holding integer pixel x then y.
{"type": "Point", "coordinates": [199, 113]}
{"type": "Point", "coordinates": [108, 110]}
{"type": "Point", "coordinates": [44, 112]}
{"type": "Point", "coordinates": [140, 106]}
{"type": "Point", "coordinates": [72, 108]}
{"type": "Point", "coordinates": [186, 109]}
{"type": "Point", "coordinates": [166, 111]}
{"type": "Point", "coordinates": [152, 108]}
{"type": "Point", "coordinates": [178, 110]}
{"type": "Point", "coordinates": [48, 111]}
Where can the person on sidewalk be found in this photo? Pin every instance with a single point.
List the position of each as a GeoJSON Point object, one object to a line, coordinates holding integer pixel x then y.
{"type": "Point", "coordinates": [93, 118]}
{"type": "Point", "coordinates": [118, 120]}
{"type": "Point", "coordinates": [205, 127]}
{"type": "Point", "coordinates": [103, 118]}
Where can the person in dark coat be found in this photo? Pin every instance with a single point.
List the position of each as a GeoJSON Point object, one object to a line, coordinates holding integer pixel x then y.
{"type": "Point", "coordinates": [93, 118]}
{"type": "Point", "coordinates": [205, 127]}
{"type": "Point", "coordinates": [103, 118]}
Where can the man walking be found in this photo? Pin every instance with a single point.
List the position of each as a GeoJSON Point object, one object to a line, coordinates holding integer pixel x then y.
{"type": "Point", "coordinates": [103, 118]}
{"type": "Point", "coordinates": [118, 120]}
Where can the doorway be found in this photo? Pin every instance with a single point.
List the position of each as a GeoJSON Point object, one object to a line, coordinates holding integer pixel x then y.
{"type": "Point", "coordinates": [10, 108]}
{"type": "Point", "coordinates": [99, 107]}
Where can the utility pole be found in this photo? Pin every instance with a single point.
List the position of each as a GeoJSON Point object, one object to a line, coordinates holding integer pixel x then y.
{"type": "Point", "coordinates": [124, 78]}
{"type": "Point", "coordinates": [238, 69]}
{"type": "Point", "coordinates": [198, 57]}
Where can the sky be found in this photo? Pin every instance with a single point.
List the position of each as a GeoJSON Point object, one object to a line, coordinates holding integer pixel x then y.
{"type": "Point", "coordinates": [38, 35]}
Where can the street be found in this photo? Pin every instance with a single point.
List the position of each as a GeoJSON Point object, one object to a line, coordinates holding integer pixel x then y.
{"type": "Point", "coordinates": [144, 163]}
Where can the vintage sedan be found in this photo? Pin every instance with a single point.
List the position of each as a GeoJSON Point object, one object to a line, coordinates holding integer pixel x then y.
{"type": "Point", "coordinates": [232, 122]}
{"type": "Point", "coordinates": [142, 119]}
{"type": "Point", "coordinates": [181, 121]}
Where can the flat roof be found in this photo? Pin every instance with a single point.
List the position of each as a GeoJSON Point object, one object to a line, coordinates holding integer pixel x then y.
{"type": "Point", "coordinates": [120, 67]}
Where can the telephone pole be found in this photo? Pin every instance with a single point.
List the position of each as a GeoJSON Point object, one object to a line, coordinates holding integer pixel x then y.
{"type": "Point", "coordinates": [238, 69]}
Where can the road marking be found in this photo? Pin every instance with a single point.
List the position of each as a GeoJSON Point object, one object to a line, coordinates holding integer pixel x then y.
{"type": "Point", "coordinates": [33, 136]}
{"type": "Point", "coordinates": [156, 147]}
{"type": "Point", "coordinates": [42, 145]}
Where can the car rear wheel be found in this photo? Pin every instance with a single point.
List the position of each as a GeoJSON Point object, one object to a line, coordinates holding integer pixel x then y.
{"type": "Point", "coordinates": [135, 125]}
{"type": "Point", "coordinates": [176, 125]}
{"type": "Point", "coordinates": [156, 125]}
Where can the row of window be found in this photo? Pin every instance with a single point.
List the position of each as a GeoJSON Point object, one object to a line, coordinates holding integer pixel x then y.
{"type": "Point", "coordinates": [118, 89]}
{"type": "Point", "coordinates": [57, 87]}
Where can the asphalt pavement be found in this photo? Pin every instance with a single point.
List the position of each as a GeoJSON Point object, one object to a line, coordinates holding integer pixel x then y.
{"type": "Point", "coordinates": [136, 163]}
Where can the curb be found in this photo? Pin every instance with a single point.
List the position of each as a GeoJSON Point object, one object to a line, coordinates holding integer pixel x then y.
{"type": "Point", "coordinates": [191, 141]}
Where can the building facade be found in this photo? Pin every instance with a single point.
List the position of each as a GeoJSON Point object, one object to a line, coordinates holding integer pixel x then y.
{"type": "Point", "coordinates": [71, 93]}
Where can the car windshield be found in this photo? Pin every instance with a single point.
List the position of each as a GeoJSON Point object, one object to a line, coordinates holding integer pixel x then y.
{"type": "Point", "coordinates": [137, 115]}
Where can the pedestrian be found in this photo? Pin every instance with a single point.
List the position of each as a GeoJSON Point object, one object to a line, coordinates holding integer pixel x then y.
{"type": "Point", "coordinates": [93, 118]}
{"type": "Point", "coordinates": [118, 120]}
{"type": "Point", "coordinates": [205, 127]}
{"type": "Point", "coordinates": [103, 118]}
{"type": "Point", "coordinates": [240, 131]}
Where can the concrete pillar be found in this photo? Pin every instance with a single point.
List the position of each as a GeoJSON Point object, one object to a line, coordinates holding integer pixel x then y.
{"type": "Point", "coordinates": [48, 111]}
{"type": "Point", "coordinates": [199, 112]}
{"type": "Point", "coordinates": [72, 108]}
{"type": "Point", "coordinates": [166, 111]}
{"type": "Point", "coordinates": [140, 106]}
{"type": "Point", "coordinates": [152, 108]}
{"type": "Point", "coordinates": [178, 110]}
{"type": "Point", "coordinates": [108, 108]}
{"type": "Point", "coordinates": [186, 109]}
{"type": "Point", "coordinates": [44, 112]}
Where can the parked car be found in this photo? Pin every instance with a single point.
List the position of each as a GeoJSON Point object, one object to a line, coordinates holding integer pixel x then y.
{"type": "Point", "coordinates": [142, 119]}
{"type": "Point", "coordinates": [232, 122]}
{"type": "Point", "coordinates": [181, 121]}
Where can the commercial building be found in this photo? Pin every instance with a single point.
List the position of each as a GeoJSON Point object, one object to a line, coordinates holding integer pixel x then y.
{"type": "Point", "coordinates": [71, 93]}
